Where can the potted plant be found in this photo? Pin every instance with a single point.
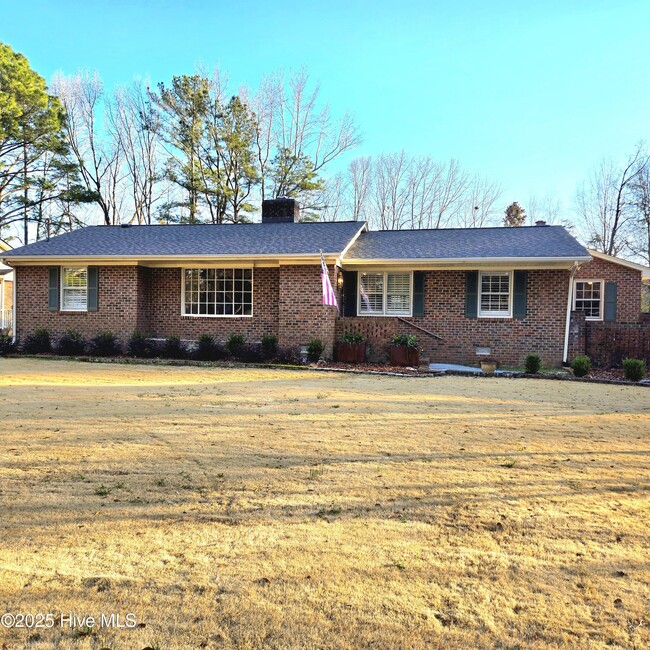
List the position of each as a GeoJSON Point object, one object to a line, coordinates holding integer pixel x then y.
{"type": "Point", "coordinates": [351, 348]}
{"type": "Point", "coordinates": [405, 350]}
{"type": "Point", "coordinates": [488, 366]}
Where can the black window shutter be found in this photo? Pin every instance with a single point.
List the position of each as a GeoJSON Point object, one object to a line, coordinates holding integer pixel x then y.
{"type": "Point", "coordinates": [350, 280]}
{"type": "Point", "coordinates": [471, 294]}
{"type": "Point", "coordinates": [93, 287]}
{"type": "Point", "coordinates": [418, 293]}
{"type": "Point", "coordinates": [53, 293]}
{"type": "Point", "coordinates": [519, 293]}
{"type": "Point", "coordinates": [610, 301]}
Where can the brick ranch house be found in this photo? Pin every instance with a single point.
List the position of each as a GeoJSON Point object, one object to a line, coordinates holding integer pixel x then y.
{"type": "Point", "coordinates": [505, 292]}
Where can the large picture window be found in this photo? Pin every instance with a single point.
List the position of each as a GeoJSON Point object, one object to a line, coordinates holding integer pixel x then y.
{"type": "Point", "coordinates": [218, 292]}
{"type": "Point", "coordinates": [495, 292]}
{"type": "Point", "coordinates": [74, 288]}
{"type": "Point", "coordinates": [385, 294]}
{"type": "Point", "coordinates": [588, 298]}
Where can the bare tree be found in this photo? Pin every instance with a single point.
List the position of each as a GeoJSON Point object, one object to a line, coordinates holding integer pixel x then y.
{"type": "Point", "coordinates": [98, 159]}
{"type": "Point", "coordinates": [605, 203]}
{"type": "Point", "coordinates": [296, 136]}
{"type": "Point", "coordinates": [359, 176]}
{"type": "Point", "coordinates": [133, 126]}
{"type": "Point", "coordinates": [478, 207]}
{"type": "Point", "coordinates": [640, 191]}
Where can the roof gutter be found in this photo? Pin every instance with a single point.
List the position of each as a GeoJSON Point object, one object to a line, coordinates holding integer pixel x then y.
{"type": "Point", "coordinates": [13, 260]}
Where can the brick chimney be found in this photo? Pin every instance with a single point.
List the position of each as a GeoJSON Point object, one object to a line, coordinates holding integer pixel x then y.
{"type": "Point", "coordinates": [280, 210]}
{"type": "Point", "coordinates": [540, 223]}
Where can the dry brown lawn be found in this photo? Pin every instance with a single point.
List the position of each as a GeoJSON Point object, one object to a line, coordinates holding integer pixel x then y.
{"type": "Point", "coordinates": [250, 508]}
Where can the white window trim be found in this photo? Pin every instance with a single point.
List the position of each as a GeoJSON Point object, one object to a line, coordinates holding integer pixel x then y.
{"type": "Point", "coordinates": [495, 314]}
{"type": "Point", "coordinates": [61, 293]}
{"type": "Point", "coordinates": [601, 310]}
{"type": "Point", "coordinates": [235, 316]}
{"type": "Point", "coordinates": [383, 313]}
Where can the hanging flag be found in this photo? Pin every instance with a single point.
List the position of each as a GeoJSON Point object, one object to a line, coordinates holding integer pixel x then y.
{"type": "Point", "coordinates": [329, 297]}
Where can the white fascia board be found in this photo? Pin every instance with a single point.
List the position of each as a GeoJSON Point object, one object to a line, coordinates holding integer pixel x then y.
{"type": "Point", "coordinates": [645, 271]}
{"type": "Point", "coordinates": [471, 262]}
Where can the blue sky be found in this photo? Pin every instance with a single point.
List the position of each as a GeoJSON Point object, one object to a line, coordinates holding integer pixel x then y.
{"type": "Point", "coordinates": [529, 94]}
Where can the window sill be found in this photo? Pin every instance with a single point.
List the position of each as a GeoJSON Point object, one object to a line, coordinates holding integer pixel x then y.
{"type": "Point", "coordinates": [217, 316]}
{"type": "Point", "coordinates": [73, 311]}
{"type": "Point", "coordinates": [494, 316]}
{"type": "Point", "coordinates": [386, 315]}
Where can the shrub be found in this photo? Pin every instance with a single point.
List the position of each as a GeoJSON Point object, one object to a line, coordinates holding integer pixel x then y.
{"type": "Point", "coordinates": [105, 344]}
{"type": "Point", "coordinates": [289, 356]}
{"type": "Point", "coordinates": [141, 346]}
{"type": "Point", "coordinates": [532, 364]}
{"type": "Point", "coordinates": [235, 344]}
{"type": "Point", "coordinates": [38, 342]}
{"type": "Point", "coordinates": [634, 369]}
{"type": "Point", "coordinates": [251, 353]}
{"type": "Point", "coordinates": [581, 365]}
{"type": "Point", "coordinates": [269, 346]}
{"type": "Point", "coordinates": [173, 348]}
{"type": "Point", "coordinates": [71, 344]}
{"type": "Point", "coordinates": [406, 339]}
{"type": "Point", "coordinates": [353, 338]}
{"type": "Point", "coordinates": [6, 344]}
{"type": "Point", "coordinates": [208, 349]}
{"type": "Point", "coordinates": [315, 349]}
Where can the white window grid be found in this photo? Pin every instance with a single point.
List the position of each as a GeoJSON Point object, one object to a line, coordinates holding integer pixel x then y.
{"type": "Point", "coordinates": [74, 288]}
{"type": "Point", "coordinates": [588, 297]}
{"type": "Point", "coordinates": [495, 294]}
{"type": "Point", "coordinates": [217, 292]}
{"type": "Point", "coordinates": [385, 293]}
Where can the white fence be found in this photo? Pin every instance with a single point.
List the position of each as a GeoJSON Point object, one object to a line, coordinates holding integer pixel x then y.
{"type": "Point", "coordinates": [6, 320]}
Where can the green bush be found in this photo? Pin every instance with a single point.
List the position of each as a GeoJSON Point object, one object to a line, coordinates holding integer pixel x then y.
{"type": "Point", "coordinates": [71, 344]}
{"type": "Point", "coordinates": [353, 338]}
{"type": "Point", "coordinates": [315, 349]}
{"type": "Point", "coordinates": [269, 346]}
{"type": "Point", "coordinates": [634, 369]}
{"type": "Point", "coordinates": [141, 346]}
{"type": "Point", "coordinates": [38, 342]}
{"type": "Point", "coordinates": [289, 356]}
{"type": "Point", "coordinates": [581, 365]}
{"type": "Point", "coordinates": [532, 364]}
{"type": "Point", "coordinates": [235, 344]}
{"type": "Point", "coordinates": [6, 345]}
{"type": "Point", "coordinates": [409, 340]}
{"type": "Point", "coordinates": [173, 348]}
{"type": "Point", "coordinates": [208, 349]}
{"type": "Point", "coordinates": [105, 344]}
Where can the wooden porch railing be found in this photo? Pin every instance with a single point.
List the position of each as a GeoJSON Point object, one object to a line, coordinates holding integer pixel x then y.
{"type": "Point", "coordinates": [417, 327]}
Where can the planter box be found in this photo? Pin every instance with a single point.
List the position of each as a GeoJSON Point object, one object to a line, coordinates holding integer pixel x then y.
{"type": "Point", "coordinates": [403, 355]}
{"type": "Point", "coordinates": [351, 352]}
{"type": "Point", "coordinates": [488, 367]}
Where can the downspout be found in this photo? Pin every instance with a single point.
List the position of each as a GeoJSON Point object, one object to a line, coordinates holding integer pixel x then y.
{"type": "Point", "coordinates": [13, 307]}
{"type": "Point", "coordinates": [569, 304]}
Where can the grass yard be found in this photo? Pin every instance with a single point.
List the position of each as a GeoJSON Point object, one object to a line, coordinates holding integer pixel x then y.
{"type": "Point", "coordinates": [249, 508]}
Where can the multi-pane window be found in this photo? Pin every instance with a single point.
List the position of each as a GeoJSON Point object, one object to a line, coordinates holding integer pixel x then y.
{"type": "Point", "coordinates": [385, 293]}
{"type": "Point", "coordinates": [74, 288]}
{"type": "Point", "coordinates": [218, 292]}
{"type": "Point", "coordinates": [589, 298]}
{"type": "Point", "coordinates": [494, 295]}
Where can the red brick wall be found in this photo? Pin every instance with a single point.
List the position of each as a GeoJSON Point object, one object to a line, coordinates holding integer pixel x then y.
{"type": "Point", "coordinates": [302, 315]}
{"type": "Point", "coordinates": [161, 299]}
{"type": "Point", "coordinates": [118, 304]}
{"type": "Point", "coordinates": [628, 290]}
{"type": "Point", "coordinates": [510, 339]}
{"type": "Point", "coordinates": [286, 303]}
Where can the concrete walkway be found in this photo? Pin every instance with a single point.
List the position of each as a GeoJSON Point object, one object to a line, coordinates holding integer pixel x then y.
{"type": "Point", "coordinates": [438, 367]}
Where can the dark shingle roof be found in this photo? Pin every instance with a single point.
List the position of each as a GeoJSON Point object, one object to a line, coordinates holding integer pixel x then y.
{"type": "Point", "coordinates": [467, 243]}
{"type": "Point", "coordinates": [185, 240]}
